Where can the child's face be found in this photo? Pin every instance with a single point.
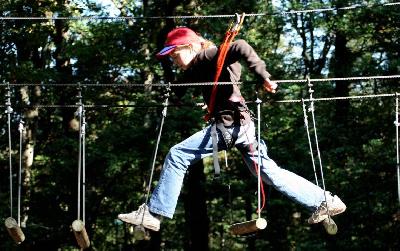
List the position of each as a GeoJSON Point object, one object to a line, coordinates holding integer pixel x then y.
{"type": "Point", "coordinates": [182, 56]}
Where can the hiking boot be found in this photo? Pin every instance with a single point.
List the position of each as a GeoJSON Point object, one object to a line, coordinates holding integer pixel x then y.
{"type": "Point", "coordinates": [334, 206]}
{"type": "Point", "coordinates": [142, 216]}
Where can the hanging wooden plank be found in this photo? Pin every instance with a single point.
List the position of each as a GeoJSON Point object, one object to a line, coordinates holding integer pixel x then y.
{"type": "Point", "coordinates": [248, 227]}
{"type": "Point", "coordinates": [14, 230]}
{"type": "Point", "coordinates": [80, 233]}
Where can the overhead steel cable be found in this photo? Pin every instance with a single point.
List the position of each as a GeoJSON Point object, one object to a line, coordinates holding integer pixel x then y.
{"type": "Point", "coordinates": [275, 13]}
{"type": "Point", "coordinates": [122, 84]}
{"type": "Point", "coordinates": [351, 7]}
{"type": "Point", "coordinates": [338, 79]}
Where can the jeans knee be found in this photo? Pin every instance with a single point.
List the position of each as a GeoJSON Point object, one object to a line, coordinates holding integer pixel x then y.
{"type": "Point", "coordinates": [174, 149]}
{"type": "Point", "coordinates": [176, 158]}
{"type": "Point", "coordinates": [270, 168]}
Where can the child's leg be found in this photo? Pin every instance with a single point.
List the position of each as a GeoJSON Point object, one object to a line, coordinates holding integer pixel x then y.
{"type": "Point", "coordinates": [165, 196]}
{"type": "Point", "coordinates": [290, 184]}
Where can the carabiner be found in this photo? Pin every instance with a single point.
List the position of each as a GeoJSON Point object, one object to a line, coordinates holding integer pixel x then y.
{"type": "Point", "coordinates": [239, 22]}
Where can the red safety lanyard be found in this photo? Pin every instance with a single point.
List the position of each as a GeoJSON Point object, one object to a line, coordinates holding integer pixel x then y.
{"type": "Point", "coordinates": [223, 50]}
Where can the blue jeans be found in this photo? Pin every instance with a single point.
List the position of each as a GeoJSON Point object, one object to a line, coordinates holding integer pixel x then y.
{"type": "Point", "coordinates": [165, 196]}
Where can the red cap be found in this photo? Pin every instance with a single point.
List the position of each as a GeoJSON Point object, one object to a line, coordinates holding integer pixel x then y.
{"type": "Point", "coordinates": [178, 36]}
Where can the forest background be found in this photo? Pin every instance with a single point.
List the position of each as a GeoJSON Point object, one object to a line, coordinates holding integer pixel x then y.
{"type": "Point", "coordinates": [357, 137]}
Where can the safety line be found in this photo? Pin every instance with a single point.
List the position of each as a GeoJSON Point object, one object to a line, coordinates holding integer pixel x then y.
{"type": "Point", "coordinates": [338, 79]}
{"type": "Point", "coordinates": [202, 104]}
{"type": "Point", "coordinates": [337, 98]}
{"type": "Point", "coordinates": [276, 13]}
{"type": "Point", "coordinates": [281, 81]}
{"type": "Point", "coordinates": [122, 85]}
{"type": "Point", "coordinates": [102, 106]}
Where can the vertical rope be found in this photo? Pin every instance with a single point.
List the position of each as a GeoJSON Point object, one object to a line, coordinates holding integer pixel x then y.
{"type": "Point", "coordinates": [10, 163]}
{"type": "Point", "coordinates": [20, 129]}
{"type": "Point", "coordinates": [83, 133]}
{"type": "Point", "coordinates": [9, 110]}
{"type": "Point", "coordinates": [310, 90]}
{"type": "Point", "coordinates": [80, 153]}
{"type": "Point", "coordinates": [397, 146]}
{"type": "Point", "coordinates": [229, 190]}
{"type": "Point", "coordinates": [257, 166]}
{"type": "Point", "coordinates": [309, 141]}
{"type": "Point", "coordinates": [164, 114]}
{"type": "Point", "coordinates": [258, 101]}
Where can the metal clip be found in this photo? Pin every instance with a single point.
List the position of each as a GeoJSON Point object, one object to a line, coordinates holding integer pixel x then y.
{"type": "Point", "coordinates": [239, 21]}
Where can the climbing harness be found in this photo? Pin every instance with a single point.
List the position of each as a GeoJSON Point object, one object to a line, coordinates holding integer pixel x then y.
{"type": "Point", "coordinates": [140, 232]}
{"type": "Point", "coordinates": [397, 146]}
{"type": "Point", "coordinates": [329, 225]}
{"type": "Point", "coordinates": [78, 226]}
{"type": "Point", "coordinates": [13, 226]}
{"type": "Point", "coordinates": [260, 223]}
{"type": "Point", "coordinates": [229, 139]}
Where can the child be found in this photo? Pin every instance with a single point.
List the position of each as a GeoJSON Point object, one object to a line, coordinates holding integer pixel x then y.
{"type": "Point", "coordinates": [235, 127]}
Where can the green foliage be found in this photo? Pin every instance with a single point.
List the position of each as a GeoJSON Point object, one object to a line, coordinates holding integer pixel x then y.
{"type": "Point", "coordinates": [356, 138]}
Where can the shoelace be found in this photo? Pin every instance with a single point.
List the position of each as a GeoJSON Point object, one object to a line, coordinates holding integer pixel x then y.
{"type": "Point", "coordinates": [140, 210]}
{"type": "Point", "coordinates": [319, 211]}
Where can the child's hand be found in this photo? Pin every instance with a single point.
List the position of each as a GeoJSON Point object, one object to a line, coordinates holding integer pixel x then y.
{"type": "Point", "coordinates": [270, 86]}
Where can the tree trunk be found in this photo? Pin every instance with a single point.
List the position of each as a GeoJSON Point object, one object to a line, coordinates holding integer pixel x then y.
{"type": "Point", "coordinates": [64, 72]}
{"type": "Point", "coordinates": [196, 217]}
{"type": "Point", "coordinates": [342, 64]}
{"type": "Point", "coordinates": [30, 132]}
{"type": "Point", "coordinates": [313, 64]}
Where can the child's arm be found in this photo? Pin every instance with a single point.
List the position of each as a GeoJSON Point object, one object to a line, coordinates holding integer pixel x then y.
{"type": "Point", "coordinates": [240, 49]}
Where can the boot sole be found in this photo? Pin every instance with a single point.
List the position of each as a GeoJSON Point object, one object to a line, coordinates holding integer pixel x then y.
{"type": "Point", "coordinates": [325, 216]}
{"type": "Point", "coordinates": [148, 226]}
